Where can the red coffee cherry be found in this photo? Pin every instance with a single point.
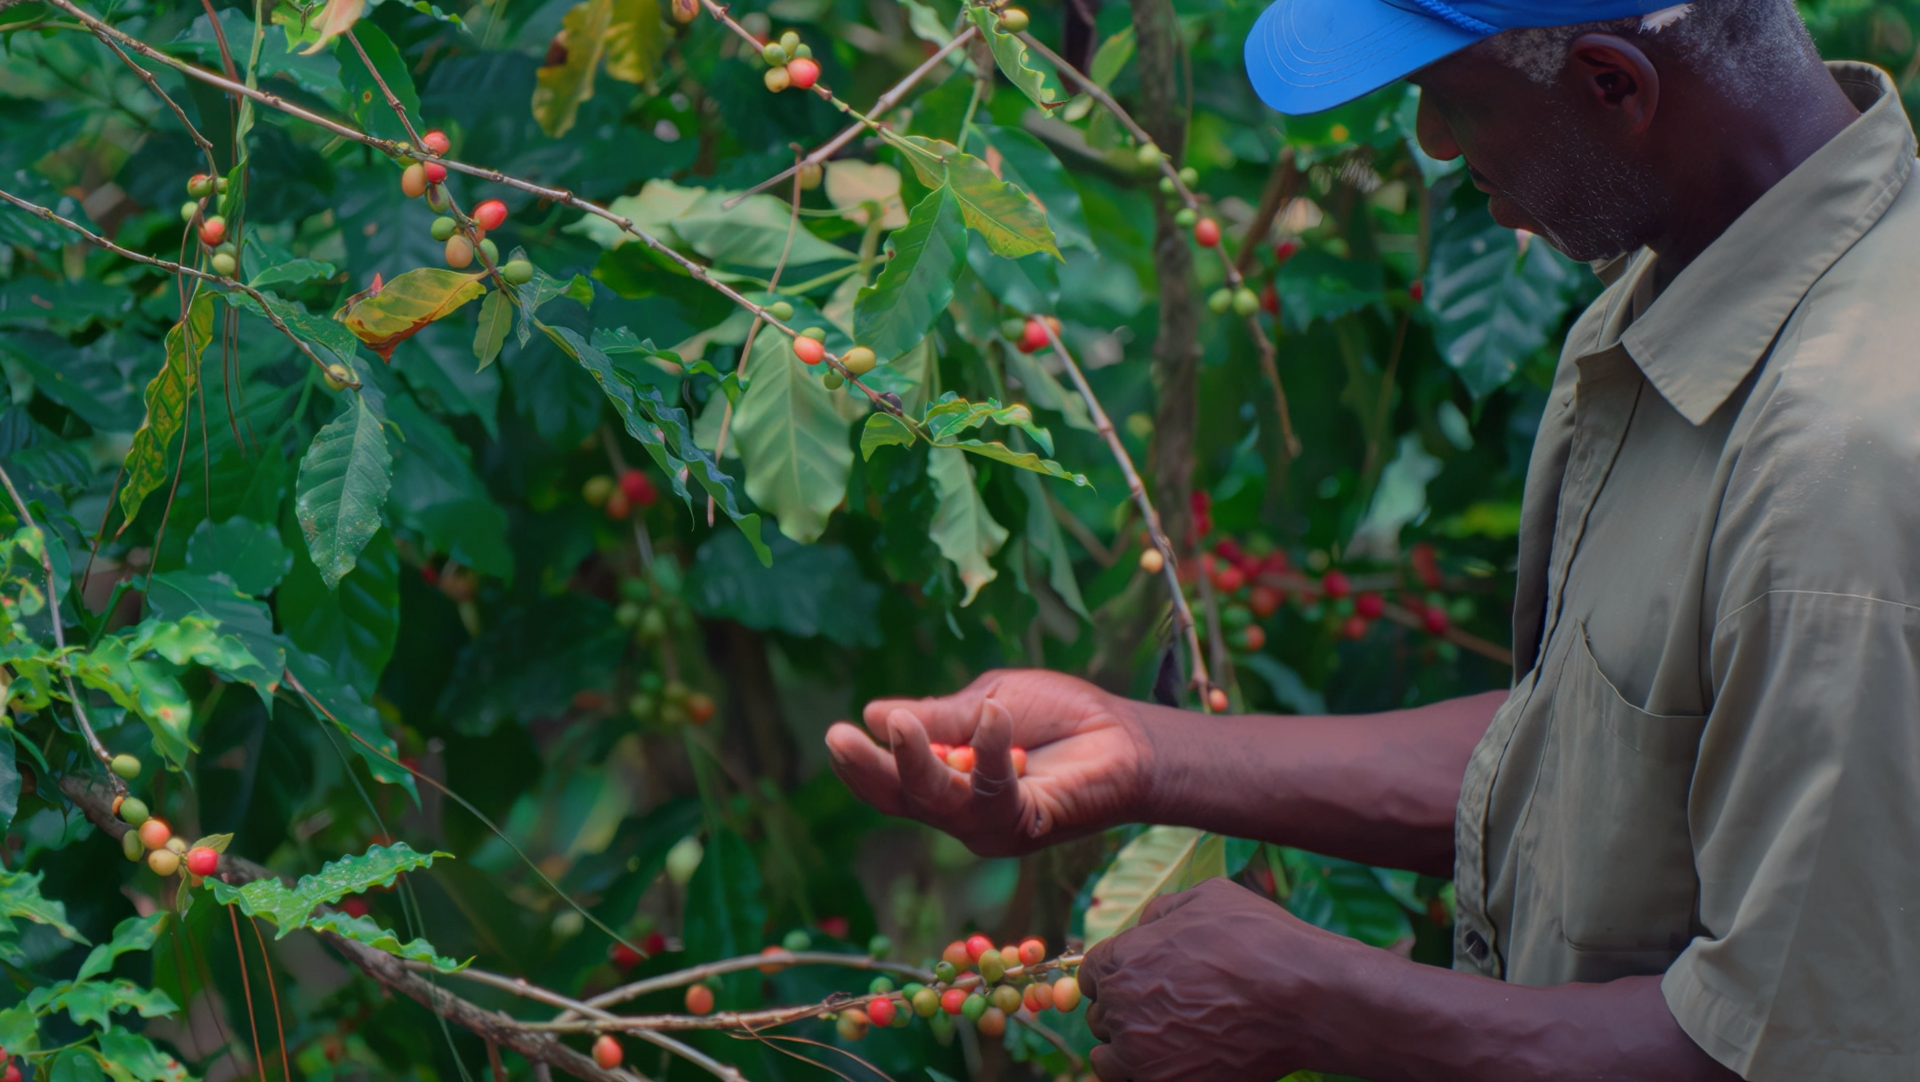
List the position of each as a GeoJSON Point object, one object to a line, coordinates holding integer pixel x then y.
{"type": "Point", "coordinates": [699, 999]}
{"type": "Point", "coordinates": [435, 172]}
{"type": "Point", "coordinates": [1066, 994]}
{"type": "Point", "coordinates": [1033, 951]}
{"type": "Point", "coordinates": [809, 350]}
{"type": "Point", "coordinates": [639, 488]}
{"type": "Point", "coordinates": [882, 1011]}
{"type": "Point", "coordinates": [413, 181]}
{"type": "Point", "coordinates": [1355, 628]}
{"type": "Point", "coordinates": [1370, 606]}
{"type": "Point", "coordinates": [606, 1050]}
{"type": "Point", "coordinates": [202, 861]}
{"type": "Point", "coordinates": [956, 955]}
{"type": "Point", "coordinates": [1284, 250]}
{"type": "Point", "coordinates": [1019, 756]}
{"type": "Point", "coordinates": [213, 231]}
{"type": "Point", "coordinates": [938, 749]}
{"type": "Point", "coordinates": [1418, 291]}
{"type": "Point", "coordinates": [491, 214]}
{"type": "Point", "coordinates": [1253, 637]}
{"type": "Point", "coordinates": [437, 142]}
{"type": "Point", "coordinates": [1265, 601]}
{"type": "Point", "coordinates": [1270, 300]}
{"type": "Point", "coordinates": [701, 708]}
{"type": "Point", "coordinates": [803, 71]}
{"type": "Point", "coordinates": [624, 957]}
{"type": "Point", "coordinates": [1229, 579]}
{"type": "Point", "coordinates": [1206, 232]}
{"type": "Point", "coordinates": [978, 945]}
{"type": "Point", "coordinates": [1217, 699]}
{"type": "Point", "coordinates": [1033, 337]}
{"type": "Point", "coordinates": [1336, 585]}
{"type": "Point", "coordinates": [961, 759]}
{"type": "Point", "coordinates": [953, 999]}
{"type": "Point", "coordinates": [154, 833]}
{"type": "Point", "coordinates": [1434, 619]}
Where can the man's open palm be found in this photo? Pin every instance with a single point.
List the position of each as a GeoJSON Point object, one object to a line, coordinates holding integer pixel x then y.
{"type": "Point", "coordinates": [1086, 760]}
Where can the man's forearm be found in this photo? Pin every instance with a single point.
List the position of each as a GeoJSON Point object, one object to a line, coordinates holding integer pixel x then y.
{"type": "Point", "coordinates": [1455, 1027]}
{"type": "Point", "coordinates": [1377, 788]}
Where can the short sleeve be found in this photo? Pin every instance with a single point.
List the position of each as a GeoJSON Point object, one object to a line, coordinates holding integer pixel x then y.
{"type": "Point", "coordinates": [1805, 816]}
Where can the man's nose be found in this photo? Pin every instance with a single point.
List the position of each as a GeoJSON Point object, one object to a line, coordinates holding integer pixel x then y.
{"type": "Point", "coordinates": [1435, 134]}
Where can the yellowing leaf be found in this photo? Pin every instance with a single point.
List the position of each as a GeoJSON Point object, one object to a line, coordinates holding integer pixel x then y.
{"type": "Point", "coordinates": [560, 88]}
{"type": "Point", "coordinates": [851, 184]}
{"type": "Point", "coordinates": [167, 396]}
{"type": "Point", "coordinates": [335, 19]}
{"type": "Point", "coordinates": [1008, 219]}
{"type": "Point", "coordinates": [404, 306]}
{"type": "Point", "coordinates": [1150, 865]}
{"type": "Point", "coordinates": [635, 40]}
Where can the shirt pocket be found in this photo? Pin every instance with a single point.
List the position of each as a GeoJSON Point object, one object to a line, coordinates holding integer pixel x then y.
{"type": "Point", "coordinates": [1618, 847]}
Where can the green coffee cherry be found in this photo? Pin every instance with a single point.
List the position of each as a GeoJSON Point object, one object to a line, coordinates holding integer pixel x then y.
{"type": "Point", "coordinates": [1148, 154]}
{"type": "Point", "coordinates": [1167, 186]}
{"type": "Point", "coordinates": [131, 846]}
{"type": "Point", "coordinates": [790, 42]}
{"type": "Point", "coordinates": [444, 228]}
{"type": "Point", "coordinates": [1014, 20]}
{"type": "Point", "coordinates": [189, 210]}
{"type": "Point", "coordinates": [1007, 998]}
{"type": "Point", "coordinates": [517, 273]}
{"type": "Point", "coordinates": [973, 1008]}
{"type": "Point", "coordinates": [492, 252]}
{"type": "Point", "coordinates": [1245, 301]}
{"type": "Point", "coordinates": [200, 186]}
{"type": "Point", "coordinates": [818, 334]}
{"type": "Point", "coordinates": [946, 972]}
{"type": "Point", "coordinates": [1189, 176]}
{"type": "Point", "coordinates": [797, 940]}
{"type": "Point", "coordinates": [926, 1003]}
{"type": "Point", "coordinates": [223, 265]}
{"type": "Point", "coordinates": [880, 986]}
{"type": "Point", "coordinates": [780, 310]}
{"type": "Point", "coordinates": [802, 52]}
{"type": "Point", "coordinates": [834, 381]}
{"type": "Point", "coordinates": [992, 967]}
{"type": "Point", "coordinates": [911, 989]}
{"type": "Point", "coordinates": [773, 53]}
{"type": "Point", "coordinates": [1185, 217]}
{"type": "Point", "coordinates": [1220, 301]}
{"type": "Point", "coordinates": [942, 1026]}
{"type": "Point", "coordinates": [879, 947]}
{"type": "Point", "coordinates": [133, 812]}
{"type": "Point", "coordinates": [126, 766]}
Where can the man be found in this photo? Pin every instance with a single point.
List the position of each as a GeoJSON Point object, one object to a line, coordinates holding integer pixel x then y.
{"type": "Point", "coordinates": [1684, 842]}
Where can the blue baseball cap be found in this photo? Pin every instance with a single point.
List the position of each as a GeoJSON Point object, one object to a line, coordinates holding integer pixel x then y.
{"type": "Point", "coordinates": [1307, 55]}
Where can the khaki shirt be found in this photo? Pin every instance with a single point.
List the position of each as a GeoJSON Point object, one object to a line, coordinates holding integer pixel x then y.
{"type": "Point", "coordinates": [1709, 766]}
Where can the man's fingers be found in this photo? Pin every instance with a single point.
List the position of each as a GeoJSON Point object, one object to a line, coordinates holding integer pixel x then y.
{"type": "Point", "coordinates": [948, 719]}
{"type": "Point", "coordinates": [1095, 965]}
{"type": "Point", "coordinates": [1097, 1022]}
{"type": "Point", "coordinates": [865, 767]}
{"type": "Point", "coordinates": [1165, 904]}
{"type": "Point", "coordinates": [993, 776]}
{"type": "Point", "coordinates": [1107, 1064]}
{"type": "Point", "coordinates": [923, 778]}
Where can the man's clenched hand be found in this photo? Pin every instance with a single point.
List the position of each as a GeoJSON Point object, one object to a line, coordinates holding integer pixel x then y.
{"type": "Point", "coordinates": [1087, 760]}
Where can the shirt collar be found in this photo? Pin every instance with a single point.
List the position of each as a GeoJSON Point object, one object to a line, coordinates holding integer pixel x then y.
{"type": "Point", "coordinates": [1702, 336]}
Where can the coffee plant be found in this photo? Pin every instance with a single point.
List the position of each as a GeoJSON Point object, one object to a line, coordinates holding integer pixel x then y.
{"type": "Point", "coordinates": [458, 459]}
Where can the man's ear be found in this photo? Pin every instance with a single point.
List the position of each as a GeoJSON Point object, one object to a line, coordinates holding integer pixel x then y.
{"type": "Point", "coordinates": [1616, 76]}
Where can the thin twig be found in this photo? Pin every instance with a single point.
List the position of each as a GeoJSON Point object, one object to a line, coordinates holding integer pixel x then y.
{"type": "Point", "coordinates": [882, 105]}
{"type": "Point", "coordinates": [393, 102]}
{"type": "Point", "coordinates": [1269, 363]}
{"type": "Point", "coordinates": [1182, 615]}
{"type": "Point", "coordinates": [177, 268]}
{"type": "Point", "coordinates": [199, 140]}
{"type": "Point", "coordinates": [60, 635]}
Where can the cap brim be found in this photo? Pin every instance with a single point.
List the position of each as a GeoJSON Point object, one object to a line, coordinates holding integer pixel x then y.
{"type": "Point", "coordinates": [1307, 55]}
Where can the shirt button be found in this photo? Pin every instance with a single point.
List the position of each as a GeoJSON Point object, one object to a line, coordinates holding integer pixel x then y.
{"type": "Point", "coordinates": [1476, 945]}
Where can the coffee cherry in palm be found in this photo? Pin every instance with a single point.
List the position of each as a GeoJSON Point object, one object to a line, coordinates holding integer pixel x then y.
{"type": "Point", "coordinates": [606, 1050]}
{"type": "Point", "coordinates": [804, 71]}
{"type": "Point", "coordinates": [517, 272]}
{"type": "Point", "coordinates": [1019, 757]}
{"type": "Point", "coordinates": [490, 215]}
{"type": "Point", "coordinates": [1013, 20]}
{"type": "Point", "coordinates": [459, 252]}
{"type": "Point", "coordinates": [413, 180]}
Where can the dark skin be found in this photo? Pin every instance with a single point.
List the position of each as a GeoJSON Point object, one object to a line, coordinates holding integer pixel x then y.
{"type": "Point", "coordinates": [1630, 148]}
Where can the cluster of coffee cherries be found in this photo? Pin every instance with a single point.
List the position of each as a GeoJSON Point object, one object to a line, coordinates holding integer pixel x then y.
{"type": "Point", "coordinates": [790, 63]}
{"type": "Point", "coordinates": [463, 238]}
{"type": "Point", "coordinates": [1254, 586]}
{"type": "Point", "coordinates": [151, 839]}
{"type": "Point", "coordinates": [975, 980]}
{"type": "Point", "coordinates": [211, 229]}
{"type": "Point", "coordinates": [670, 702]}
{"type": "Point", "coordinates": [619, 498]}
{"type": "Point", "coordinates": [811, 347]}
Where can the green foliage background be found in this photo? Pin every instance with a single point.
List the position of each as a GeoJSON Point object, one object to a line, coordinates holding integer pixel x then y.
{"type": "Point", "coordinates": [418, 554]}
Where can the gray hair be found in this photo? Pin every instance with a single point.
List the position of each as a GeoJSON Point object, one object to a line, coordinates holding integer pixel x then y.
{"type": "Point", "coordinates": [1732, 41]}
